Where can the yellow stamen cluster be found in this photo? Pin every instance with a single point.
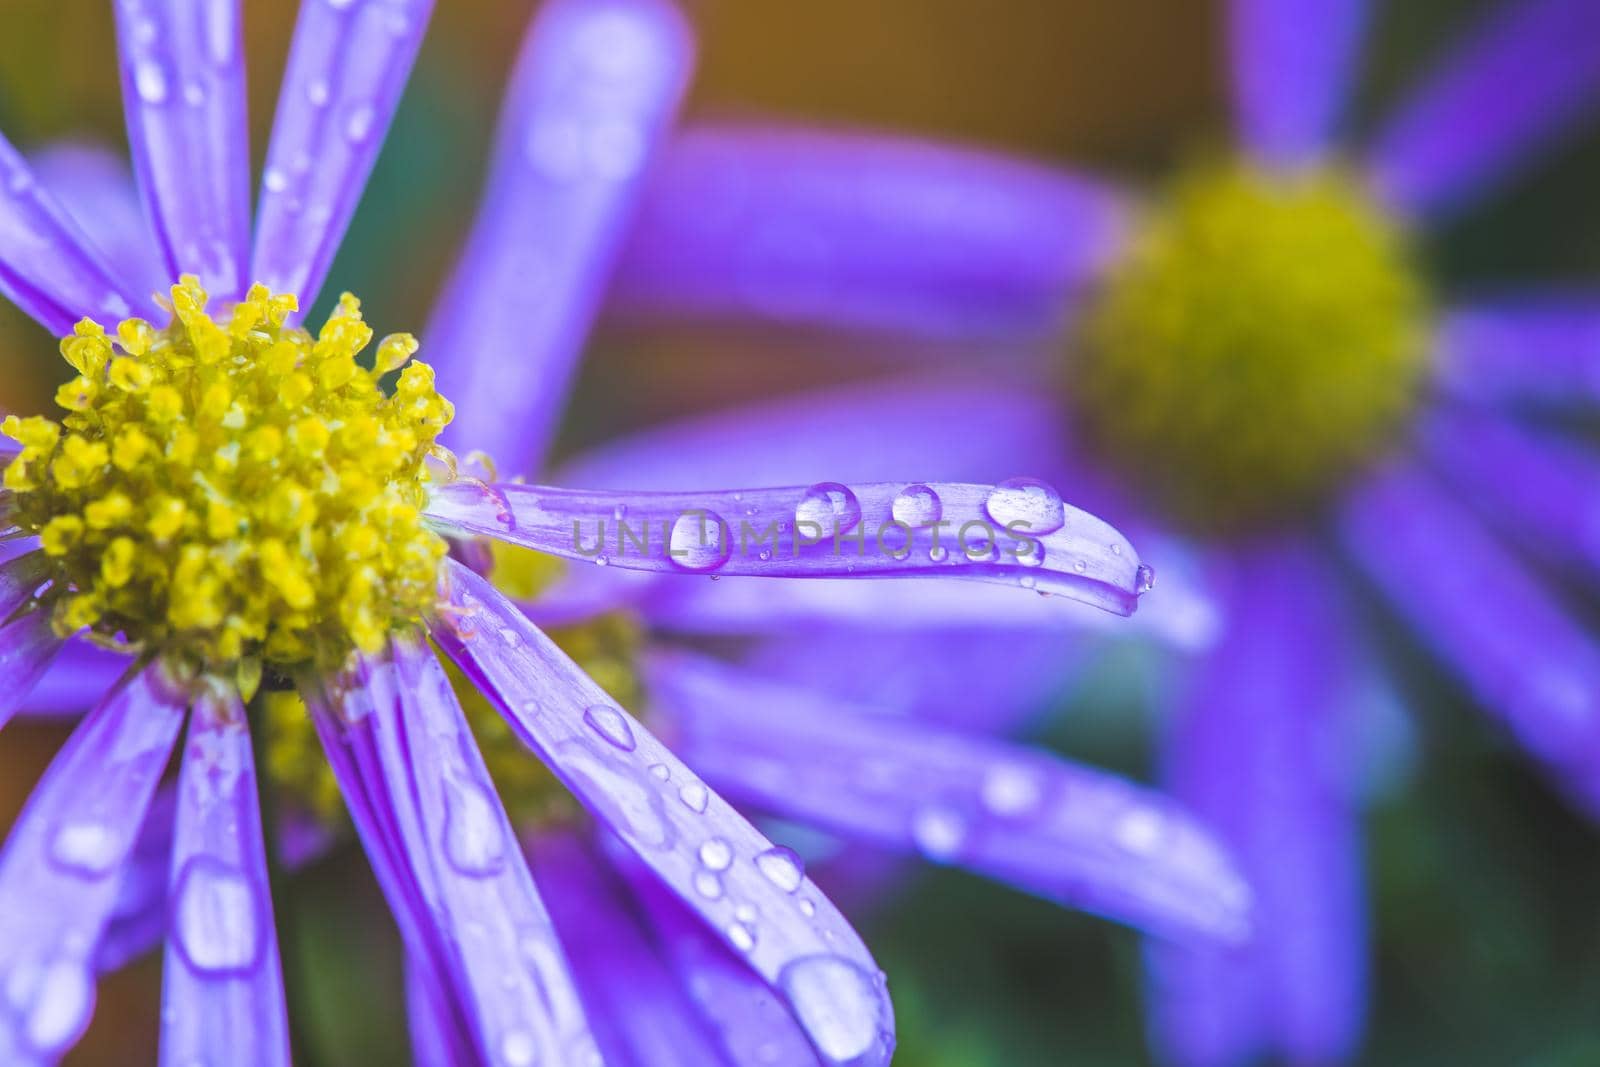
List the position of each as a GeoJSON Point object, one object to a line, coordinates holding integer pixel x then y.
{"type": "Point", "coordinates": [232, 490]}
{"type": "Point", "coordinates": [1264, 335]}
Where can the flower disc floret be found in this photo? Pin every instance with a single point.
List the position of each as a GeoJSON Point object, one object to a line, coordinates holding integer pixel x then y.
{"type": "Point", "coordinates": [231, 489]}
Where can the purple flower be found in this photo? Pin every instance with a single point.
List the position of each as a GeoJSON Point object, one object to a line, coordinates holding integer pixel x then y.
{"type": "Point", "coordinates": [233, 511]}
{"type": "Point", "coordinates": [1257, 365]}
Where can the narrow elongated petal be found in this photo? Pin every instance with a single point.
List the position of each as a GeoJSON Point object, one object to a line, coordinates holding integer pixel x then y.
{"type": "Point", "coordinates": [75, 680]}
{"type": "Point", "coordinates": [870, 232]}
{"type": "Point", "coordinates": [691, 840]}
{"type": "Point", "coordinates": [139, 919]}
{"type": "Point", "coordinates": [222, 985]}
{"type": "Point", "coordinates": [1525, 73]}
{"type": "Point", "coordinates": [27, 645]}
{"type": "Point", "coordinates": [183, 93]}
{"type": "Point", "coordinates": [594, 93]}
{"type": "Point", "coordinates": [1065, 832]}
{"type": "Point", "coordinates": [1525, 658]}
{"type": "Point", "coordinates": [98, 191]}
{"type": "Point", "coordinates": [1544, 349]}
{"type": "Point", "coordinates": [1535, 485]}
{"type": "Point", "coordinates": [447, 845]}
{"type": "Point", "coordinates": [437, 1034]}
{"type": "Point", "coordinates": [1253, 749]}
{"type": "Point", "coordinates": [47, 267]}
{"type": "Point", "coordinates": [347, 68]}
{"type": "Point", "coordinates": [642, 1015]}
{"type": "Point", "coordinates": [750, 1021]}
{"type": "Point", "coordinates": [60, 872]}
{"type": "Point", "coordinates": [1292, 65]}
{"type": "Point", "coordinates": [1018, 532]}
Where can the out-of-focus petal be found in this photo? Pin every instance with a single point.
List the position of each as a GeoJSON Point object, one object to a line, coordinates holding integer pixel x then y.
{"type": "Point", "coordinates": [444, 852]}
{"type": "Point", "coordinates": [866, 231]}
{"type": "Point", "coordinates": [1538, 487]}
{"type": "Point", "coordinates": [437, 1034]}
{"type": "Point", "coordinates": [1292, 65]}
{"type": "Point", "coordinates": [60, 872]}
{"type": "Point", "coordinates": [750, 1022]}
{"type": "Point", "coordinates": [97, 189]}
{"type": "Point", "coordinates": [982, 680]}
{"type": "Point", "coordinates": [1019, 532]}
{"type": "Point", "coordinates": [595, 90]}
{"type": "Point", "coordinates": [222, 985]}
{"type": "Point", "coordinates": [27, 645]}
{"type": "Point", "coordinates": [642, 1015]}
{"type": "Point", "coordinates": [691, 840]}
{"type": "Point", "coordinates": [1544, 349]}
{"type": "Point", "coordinates": [1254, 749]}
{"type": "Point", "coordinates": [1527, 660]}
{"type": "Point", "coordinates": [75, 680]}
{"type": "Point", "coordinates": [1524, 74]}
{"type": "Point", "coordinates": [962, 430]}
{"type": "Point", "coordinates": [1068, 833]}
{"type": "Point", "coordinates": [48, 268]}
{"type": "Point", "coordinates": [347, 68]}
{"type": "Point", "coordinates": [183, 93]}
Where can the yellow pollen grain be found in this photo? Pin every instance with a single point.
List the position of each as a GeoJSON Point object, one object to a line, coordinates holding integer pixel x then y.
{"type": "Point", "coordinates": [231, 489]}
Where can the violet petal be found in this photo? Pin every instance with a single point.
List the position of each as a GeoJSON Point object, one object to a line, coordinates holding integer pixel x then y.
{"type": "Point", "coordinates": [1292, 63]}
{"type": "Point", "coordinates": [1539, 348]}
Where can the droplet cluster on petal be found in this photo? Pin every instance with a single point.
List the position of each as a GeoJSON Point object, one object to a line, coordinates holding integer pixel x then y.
{"type": "Point", "coordinates": [232, 489]}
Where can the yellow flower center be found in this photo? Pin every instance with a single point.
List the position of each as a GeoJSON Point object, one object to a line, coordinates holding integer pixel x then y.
{"type": "Point", "coordinates": [606, 647]}
{"type": "Point", "coordinates": [1264, 336]}
{"type": "Point", "coordinates": [232, 491]}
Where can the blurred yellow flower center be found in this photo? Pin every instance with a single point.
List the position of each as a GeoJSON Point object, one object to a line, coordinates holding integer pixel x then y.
{"type": "Point", "coordinates": [606, 647]}
{"type": "Point", "coordinates": [1264, 335]}
{"type": "Point", "coordinates": [232, 491]}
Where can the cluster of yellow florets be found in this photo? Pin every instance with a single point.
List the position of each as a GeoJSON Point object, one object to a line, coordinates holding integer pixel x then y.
{"type": "Point", "coordinates": [1264, 335]}
{"type": "Point", "coordinates": [231, 489]}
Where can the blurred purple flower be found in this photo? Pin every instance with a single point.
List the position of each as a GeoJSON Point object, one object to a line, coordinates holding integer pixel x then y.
{"type": "Point", "coordinates": [944, 245]}
{"type": "Point", "coordinates": [674, 931]}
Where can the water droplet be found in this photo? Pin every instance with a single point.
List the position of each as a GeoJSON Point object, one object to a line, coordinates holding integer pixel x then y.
{"type": "Point", "coordinates": [89, 848]}
{"type": "Point", "coordinates": [708, 885]}
{"type": "Point", "coordinates": [1139, 830]}
{"type": "Point", "coordinates": [1116, 549]}
{"type": "Point", "coordinates": [517, 1048]}
{"type": "Point", "coordinates": [1027, 581]}
{"type": "Point", "coordinates": [275, 180]}
{"type": "Point", "coordinates": [611, 724]}
{"type": "Point", "coordinates": [716, 854]}
{"type": "Point", "coordinates": [694, 796]}
{"type": "Point", "coordinates": [474, 838]}
{"type": "Point", "coordinates": [939, 833]}
{"type": "Point", "coordinates": [358, 127]}
{"type": "Point", "coordinates": [782, 868]}
{"type": "Point", "coordinates": [917, 505]}
{"type": "Point", "coordinates": [829, 507]}
{"type": "Point", "coordinates": [660, 771]}
{"type": "Point", "coordinates": [194, 94]}
{"type": "Point", "coordinates": [1035, 507]}
{"type": "Point", "coordinates": [938, 553]}
{"type": "Point", "coordinates": [317, 92]}
{"type": "Point", "coordinates": [1144, 579]}
{"type": "Point", "coordinates": [616, 149]}
{"type": "Point", "coordinates": [836, 1003]}
{"type": "Point", "coordinates": [745, 913]}
{"type": "Point", "coordinates": [58, 1008]}
{"type": "Point", "coordinates": [808, 909]}
{"type": "Point", "coordinates": [1011, 790]}
{"type": "Point", "coordinates": [741, 936]}
{"type": "Point", "coordinates": [1080, 566]}
{"type": "Point", "coordinates": [699, 541]}
{"type": "Point", "coordinates": [150, 81]}
{"type": "Point", "coordinates": [217, 918]}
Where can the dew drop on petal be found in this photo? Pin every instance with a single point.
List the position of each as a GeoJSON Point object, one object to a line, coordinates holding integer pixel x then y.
{"type": "Point", "coordinates": [830, 507]}
{"type": "Point", "coordinates": [89, 848]}
{"type": "Point", "coordinates": [1035, 507]}
{"type": "Point", "coordinates": [1139, 830]}
{"type": "Point", "coordinates": [612, 725]}
{"type": "Point", "coordinates": [741, 936]}
{"type": "Point", "coordinates": [59, 1005]}
{"type": "Point", "coordinates": [358, 127]}
{"type": "Point", "coordinates": [699, 541]}
{"type": "Point", "coordinates": [474, 839]}
{"type": "Point", "coordinates": [716, 855]}
{"type": "Point", "coordinates": [782, 868]}
{"type": "Point", "coordinates": [660, 771]}
{"type": "Point", "coordinates": [708, 885]}
{"type": "Point", "coordinates": [835, 1002]}
{"type": "Point", "coordinates": [917, 505]}
{"type": "Point", "coordinates": [150, 82]}
{"type": "Point", "coordinates": [694, 796]}
{"type": "Point", "coordinates": [517, 1049]}
{"type": "Point", "coordinates": [217, 917]}
{"type": "Point", "coordinates": [938, 832]}
{"type": "Point", "coordinates": [1144, 578]}
{"type": "Point", "coordinates": [1010, 790]}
